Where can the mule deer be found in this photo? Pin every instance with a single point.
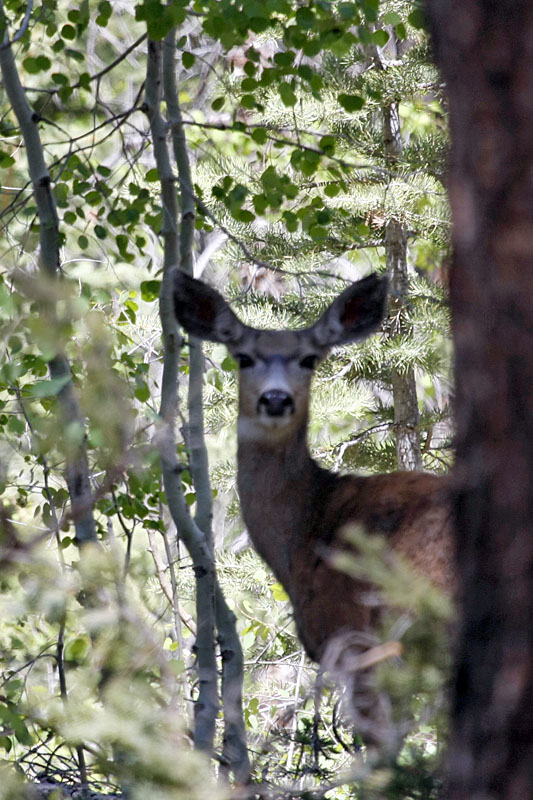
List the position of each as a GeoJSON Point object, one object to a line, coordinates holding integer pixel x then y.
{"type": "Point", "coordinates": [295, 510]}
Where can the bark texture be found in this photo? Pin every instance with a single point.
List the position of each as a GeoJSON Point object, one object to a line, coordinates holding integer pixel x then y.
{"type": "Point", "coordinates": [485, 51]}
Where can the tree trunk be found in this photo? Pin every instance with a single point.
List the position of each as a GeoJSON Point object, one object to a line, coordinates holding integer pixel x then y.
{"type": "Point", "coordinates": [76, 461]}
{"type": "Point", "coordinates": [486, 55]}
{"type": "Point", "coordinates": [406, 416]}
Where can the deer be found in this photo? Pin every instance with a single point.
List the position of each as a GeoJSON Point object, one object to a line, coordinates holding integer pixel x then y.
{"type": "Point", "coordinates": [296, 511]}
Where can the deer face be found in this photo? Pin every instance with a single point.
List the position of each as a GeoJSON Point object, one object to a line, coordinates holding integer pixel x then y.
{"type": "Point", "coordinates": [276, 366]}
{"type": "Point", "coordinates": [275, 371]}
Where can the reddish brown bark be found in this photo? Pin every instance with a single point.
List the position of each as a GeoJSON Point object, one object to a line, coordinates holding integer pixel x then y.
{"type": "Point", "coordinates": [485, 51]}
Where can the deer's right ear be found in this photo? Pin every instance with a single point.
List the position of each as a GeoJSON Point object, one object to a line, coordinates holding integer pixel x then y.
{"type": "Point", "coordinates": [203, 312]}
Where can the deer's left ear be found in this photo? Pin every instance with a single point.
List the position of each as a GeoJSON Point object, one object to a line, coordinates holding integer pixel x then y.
{"type": "Point", "coordinates": [355, 314]}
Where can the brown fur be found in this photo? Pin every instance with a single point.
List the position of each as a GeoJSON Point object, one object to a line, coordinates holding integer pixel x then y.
{"type": "Point", "coordinates": [299, 517]}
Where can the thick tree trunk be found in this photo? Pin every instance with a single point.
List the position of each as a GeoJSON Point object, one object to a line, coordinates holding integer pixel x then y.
{"type": "Point", "coordinates": [485, 52]}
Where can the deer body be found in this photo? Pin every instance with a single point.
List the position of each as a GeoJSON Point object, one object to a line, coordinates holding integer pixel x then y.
{"type": "Point", "coordinates": [296, 511]}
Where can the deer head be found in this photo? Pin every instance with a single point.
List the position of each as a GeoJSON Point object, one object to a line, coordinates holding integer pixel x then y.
{"type": "Point", "coordinates": [276, 366]}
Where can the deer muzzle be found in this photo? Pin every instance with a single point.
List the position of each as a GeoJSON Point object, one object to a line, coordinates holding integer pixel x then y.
{"type": "Point", "coordinates": [275, 403]}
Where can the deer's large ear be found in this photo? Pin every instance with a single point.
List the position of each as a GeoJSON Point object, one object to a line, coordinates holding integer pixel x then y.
{"type": "Point", "coordinates": [203, 312]}
{"type": "Point", "coordinates": [355, 314]}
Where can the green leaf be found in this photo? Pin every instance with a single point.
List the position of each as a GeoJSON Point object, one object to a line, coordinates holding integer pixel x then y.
{"type": "Point", "coordinates": [104, 9]}
{"type": "Point", "coordinates": [391, 18]}
{"type": "Point", "coordinates": [260, 203]}
{"type": "Point", "coordinates": [291, 221]}
{"type": "Point", "coordinates": [259, 135]}
{"type": "Point", "coordinates": [6, 160]}
{"type": "Point", "coordinates": [351, 102]}
{"type": "Point", "coordinates": [30, 65]}
{"type": "Point", "coordinates": [150, 290]}
{"type": "Point", "coordinates": [327, 144]}
{"type": "Point", "coordinates": [318, 233]}
{"type": "Point", "coordinates": [348, 11]}
{"type": "Point", "coordinates": [417, 19]}
{"type": "Point", "coordinates": [218, 103]}
{"type": "Point", "coordinates": [370, 9]}
{"type": "Point", "coordinates": [309, 162]}
{"type": "Point", "coordinates": [43, 63]}
{"type": "Point", "coordinates": [85, 81]}
{"type": "Point", "coordinates": [68, 32]}
{"type": "Point", "coordinates": [83, 242]}
{"type": "Point", "coordinates": [76, 55]}
{"type": "Point", "coordinates": [16, 425]}
{"type": "Point", "coordinates": [278, 593]}
{"type": "Point", "coordinates": [93, 197]}
{"type": "Point", "coordinates": [228, 364]}
{"type": "Point", "coordinates": [176, 665]}
{"type": "Point", "coordinates": [286, 92]}
{"type": "Point", "coordinates": [49, 388]}
{"type": "Point", "coordinates": [142, 392]}
{"type": "Point", "coordinates": [152, 175]}
{"type": "Point", "coordinates": [380, 38]}
{"type": "Point", "coordinates": [59, 78]}
{"type": "Point", "coordinates": [259, 24]}
{"type": "Point", "coordinates": [305, 18]}
{"type": "Point", "coordinates": [332, 189]}
{"type": "Point", "coordinates": [248, 84]}
{"type": "Point", "coordinates": [77, 649]}
{"type": "Point", "coordinates": [284, 59]}
{"type": "Point", "coordinates": [245, 216]}
{"type": "Point", "coordinates": [188, 59]}
{"type": "Point", "coordinates": [248, 101]}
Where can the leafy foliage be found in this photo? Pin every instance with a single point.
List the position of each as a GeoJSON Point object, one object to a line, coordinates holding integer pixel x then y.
{"type": "Point", "coordinates": [293, 193]}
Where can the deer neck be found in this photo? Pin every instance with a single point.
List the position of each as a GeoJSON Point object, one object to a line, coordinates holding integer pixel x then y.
{"type": "Point", "coordinates": [279, 484]}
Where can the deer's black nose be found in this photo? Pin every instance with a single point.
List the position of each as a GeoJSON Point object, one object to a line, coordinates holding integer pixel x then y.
{"type": "Point", "coordinates": [275, 403]}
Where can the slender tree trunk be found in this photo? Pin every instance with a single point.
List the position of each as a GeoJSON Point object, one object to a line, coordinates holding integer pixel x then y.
{"type": "Point", "coordinates": [486, 55]}
{"type": "Point", "coordinates": [406, 416]}
{"type": "Point", "coordinates": [212, 612]}
{"type": "Point", "coordinates": [76, 462]}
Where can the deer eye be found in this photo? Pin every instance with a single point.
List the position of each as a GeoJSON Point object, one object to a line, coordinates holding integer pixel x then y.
{"type": "Point", "coordinates": [244, 361]}
{"type": "Point", "coordinates": [309, 362]}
